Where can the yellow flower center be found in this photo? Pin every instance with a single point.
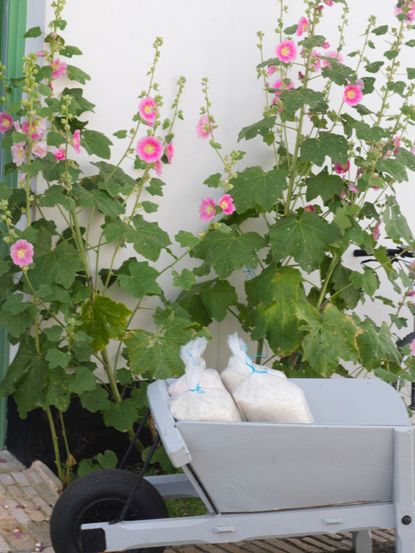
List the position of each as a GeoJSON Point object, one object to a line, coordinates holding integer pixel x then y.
{"type": "Point", "coordinates": [148, 109]}
{"type": "Point", "coordinates": [210, 209]}
{"type": "Point", "coordinates": [149, 148]}
{"type": "Point", "coordinates": [21, 253]}
{"type": "Point", "coordinates": [285, 51]}
{"type": "Point", "coordinates": [6, 122]}
{"type": "Point", "coordinates": [351, 94]}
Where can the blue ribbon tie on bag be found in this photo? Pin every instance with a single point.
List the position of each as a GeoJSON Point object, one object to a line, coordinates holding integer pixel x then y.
{"type": "Point", "coordinates": [197, 389]}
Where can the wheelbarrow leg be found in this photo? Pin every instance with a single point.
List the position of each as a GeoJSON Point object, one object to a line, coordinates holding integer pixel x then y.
{"type": "Point", "coordinates": [362, 541]}
{"type": "Point", "coordinates": [404, 490]}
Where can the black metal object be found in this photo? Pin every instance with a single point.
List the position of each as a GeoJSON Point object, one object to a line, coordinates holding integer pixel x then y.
{"type": "Point", "coordinates": [134, 441]}
{"type": "Point", "coordinates": [391, 252]}
{"type": "Point", "coordinates": [406, 520]}
{"type": "Point", "coordinates": [93, 541]}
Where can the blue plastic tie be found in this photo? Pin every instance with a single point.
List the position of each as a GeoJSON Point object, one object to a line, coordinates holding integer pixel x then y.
{"type": "Point", "coordinates": [254, 370]}
{"type": "Point", "coordinates": [197, 389]}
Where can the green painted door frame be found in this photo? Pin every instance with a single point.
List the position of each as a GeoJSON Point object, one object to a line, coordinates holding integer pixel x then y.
{"type": "Point", "coordinates": [13, 14]}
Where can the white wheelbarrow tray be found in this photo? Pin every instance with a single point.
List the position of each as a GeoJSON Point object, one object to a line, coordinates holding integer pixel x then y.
{"type": "Point", "coordinates": [352, 470]}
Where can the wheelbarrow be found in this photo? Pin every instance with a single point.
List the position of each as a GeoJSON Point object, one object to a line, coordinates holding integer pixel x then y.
{"type": "Point", "coordinates": [352, 470]}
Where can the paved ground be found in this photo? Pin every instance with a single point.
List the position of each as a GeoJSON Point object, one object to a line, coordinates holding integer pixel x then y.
{"type": "Point", "coordinates": [27, 496]}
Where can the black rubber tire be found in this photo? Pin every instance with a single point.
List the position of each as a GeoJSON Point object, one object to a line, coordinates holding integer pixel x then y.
{"type": "Point", "coordinates": [107, 490]}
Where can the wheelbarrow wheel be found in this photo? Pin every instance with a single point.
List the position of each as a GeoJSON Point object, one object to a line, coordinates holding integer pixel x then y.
{"type": "Point", "coordinates": [100, 497]}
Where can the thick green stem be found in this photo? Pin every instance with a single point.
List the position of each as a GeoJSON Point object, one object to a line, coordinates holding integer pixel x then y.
{"type": "Point", "coordinates": [258, 356]}
{"type": "Point", "coordinates": [329, 274]}
{"type": "Point", "coordinates": [58, 460]}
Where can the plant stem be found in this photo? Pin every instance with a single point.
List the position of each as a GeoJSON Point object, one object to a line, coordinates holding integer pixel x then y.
{"type": "Point", "coordinates": [258, 356]}
{"type": "Point", "coordinates": [52, 427]}
{"type": "Point", "coordinates": [334, 261]}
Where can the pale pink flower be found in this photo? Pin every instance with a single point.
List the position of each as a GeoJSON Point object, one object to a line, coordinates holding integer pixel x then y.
{"type": "Point", "coordinates": [280, 85]}
{"type": "Point", "coordinates": [203, 127]}
{"type": "Point", "coordinates": [207, 209]}
{"type": "Point", "coordinates": [158, 167]}
{"type": "Point", "coordinates": [41, 53]}
{"type": "Point", "coordinates": [342, 168]}
{"type": "Point", "coordinates": [169, 152]}
{"type": "Point", "coordinates": [286, 51]}
{"type": "Point", "coordinates": [226, 204]}
{"type": "Point", "coordinates": [271, 69]}
{"type": "Point", "coordinates": [22, 253]}
{"type": "Point", "coordinates": [328, 2]}
{"type": "Point", "coordinates": [397, 144]}
{"type": "Point", "coordinates": [40, 149]}
{"type": "Point", "coordinates": [6, 122]}
{"type": "Point", "coordinates": [149, 149]}
{"type": "Point", "coordinates": [18, 153]}
{"type": "Point", "coordinates": [412, 347]}
{"type": "Point", "coordinates": [76, 141]}
{"type": "Point", "coordinates": [337, 56]}
{"type": "Point", "coordinates": [410, 15]}
{"type": "Point", "coordinates": [309, 208]}
{"type": "Point", "coordinates": [59, 68]}
{"type": "Point", "coordinates": [302, 26]}
{"type": "Point", "coordinates": [352, 187]}
{"type": "Point", "coordinates": [325, 45]}
{"type": "Point", "coordinates": [376, 232]}
{"type": "Point", "coordinates": [352, 94]}
{"type": "Point", "coordinates": [147, 109]}
{"type": "Point", "coordinates": [37, 128]}
{"type": "Point", "coordinates": [59, 154]}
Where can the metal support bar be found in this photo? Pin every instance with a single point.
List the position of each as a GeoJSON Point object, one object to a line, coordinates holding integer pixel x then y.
{"type": "Point", "coordinates": [404, 490]}
{"type": "Point", "coordinates": [134, 441]}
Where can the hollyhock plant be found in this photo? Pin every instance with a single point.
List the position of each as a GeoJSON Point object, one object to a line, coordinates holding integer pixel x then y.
{"type": "Point", "coordinates": [286, 51]}
{"type": "Point", "coordinates": [38, 128]}
{"type": "Point", "coordinates": [18, 153]}
{"type": "Point", "coordinates": [207, 209]}
{"type": "Point", "coordinates": [226, 204]}
{"type": "Point", "coordinates": [302, 26]}
{"type": "Point", "coordinates": [147, 109]}
{"type": "Point", "coordinates": [59, 68]}
{"type": "Point", "coordinates": [352, 94]}
{"type": "Point", "coordinates": [342, 168]}
{"type": "Point", "coordinates": [376, 232]}
{"type": "Point", "coordinates": [169, 152]}
{"type": "Point", "coordinates": [280, 85]}
{"type": "Point", "coordinates": [59, 154]}
{"type": "Point", "coordinates": [40, 149]}
{"type": "Point", "coordinates": [76, 141]}
{"type": "Point", "coordinates": [6, 122]}
{"type": "Point", "coordinates": [203, 127]}
{"type": "Point", "coordinates": [149, 149]}
{"type": "Point", "coordinates": [21, 253]}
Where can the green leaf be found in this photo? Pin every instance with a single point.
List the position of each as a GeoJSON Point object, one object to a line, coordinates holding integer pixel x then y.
{"type": "Point", "coordinates": [304, 238]}
{"type": "Point", "coordinates": [293, 100]}
{"type": "Point", "coordinates": [324, 185]}
{"type": "Point", "coordinates": [121, 416]}
{"type": "Point", "coordinates": [140, 280]}
{"type": "Point", "coordinates": [229, 251]}
{"type": "Point", "coordinates": [113, 179]}
{"type": "Point", "coordinates": [394, 168]}
{"type": "Point", "coordinates": [327, 144]}
{"type": "Point", "coordinates": [76, 74]}
{"type": "Point", "coordinates": [58, 266]}
{"type": "Point", "coordinates": [275, 295]}
{"type": "Point", "coordinates": [396, 225]}
{"type": "Point", "coordinates": [156, 355]}
{"type": "Point", "coordinates": [369, 133]}
{"type": "Point", "coordinates": [70, 51]}
{"type": "Point", "coordinates": [410, 43]}
{"type": "Point", "coordinates": [33, 32]}
{"type": "Point", "coordinates": [185, 279]}
{"type": "Point", "coordinates": [96, 401]}
{"type": "Point", "coordinates": [116, 230]}
{"type": "Point", "coordinates": [96, 143]}
{"type": "Point", "coordinates": [155, 188]}
{"type": "Point", "coordinates": [329, 340]}
{"type": "Point", "coordinates": [57, 358]}
{"type": "Point", "coordinates": [79, 104]}
{"type": "Point", "coordinates": [120, 134]}
{"type": "Point", "coordinates": [149, 207]}
{"type": "Point", "coordinates": [313, 41]}
{"type": "Point", "coordinates": [254, 188]}
{"type": "Point", "coordinates": [99, 199]}
{"type": "Point", "coordinates": [368, 281]}
{"type": "Point", "coordinates": [262, 128]}
{"type": "Point", "coordinates": [55, 138]}
{"type": "Point", "coordinates": [208, 301]}
{"type": "Point", "coordinates": [406, 158]}
{"type": "Point", "coordinates": [376, 345]}
{"type": "Point", "coordinates": [107, 460]}
{"type": "Point", "coordinates": [53, 333]}
{"type": "Point", "coordinates": [214, 181]}
{"type": "Point", "coordinates": [369, 85]}
{"type": "Point", "coordinates": [148, 238]}
{"type": "Point", "coordinates": [56, 195]}
{"type": "Point", "coordinates": [186, 239]}
{"type": "Point", "coordinates": [382, 30]}
{"type": "Point", "coordinates": [104, 319]}
{"type": "Point", "coordinates": [374, 66]}
{"type": "Point", "coordinates": [411, 72]}
{"type": "Point", "coordinates": [25, 358]}
{"type": "Point", "coordinates": [337, 72]}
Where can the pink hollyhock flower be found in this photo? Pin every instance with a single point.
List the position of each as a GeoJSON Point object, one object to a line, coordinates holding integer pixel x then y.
{"type": "Point", "coordinates": [203, 127]}
{"type": "Point", "coordinates": [271, 69]}
{"type": "Point", "coordinates": [337, 56]}
{"type": "Point", "coordinates": [41, 53]}
{"type": "Point", "coordinates": [412, 347]}
{"type": "Point", "coordinates": [18, 153]}
{"type": "Point", "coordinates": [352, 94]}
{"type": "Point", "coordinates": [40, 149]}
{"type": "Point", "coordinates": [396, 144]}
{"type": "Point", "coordinates": [376, 232]}
{"type": "Point", "coordinates": [147, 109]}
{"type": "Point", "coordinates": [226, 204]}
{"type": "Point", "coordinates": [59, 154]}
{"type": "Point", "coordinates": [22, 253]}
{"type": "Point", "coordinates": [76, 141]}
{"type": "Point", "coordinates": [328, 2]}
{"type": "Point", "coordinates": [279, 86]}
{"type": "Point", "coordinates": [342, 168]}
{"type": "Point", "coordinates": [158, 167]}
{"type": "Point", "coordinates": [37, 129]}
{"type": "Point", "coordinates": [309, 208]}
{"type": "Point", "coordinates": [207, 209]}
{"type": "Point", "coordinates": [410, 14]}
{"type": "Point", "coordinates": [302, 26]}
{"type": "Point", "coordinates": [170, 152]}
{"type": "Point", "coordinates": [352, 187]}
{"type": "Point", "coordinates": [6, 122]}
{"type": "Point", "coordinates": [59, 68]}
{"type": "Point", "coordinates": [326, 45]}
{"type": "Point", "coordinates": [286, 51]}
{"type": "Point", "coordinates": [149, 149]}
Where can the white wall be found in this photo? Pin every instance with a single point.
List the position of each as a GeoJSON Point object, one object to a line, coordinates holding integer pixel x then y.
{"type": "Point", "coordinates": [213, 38]}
